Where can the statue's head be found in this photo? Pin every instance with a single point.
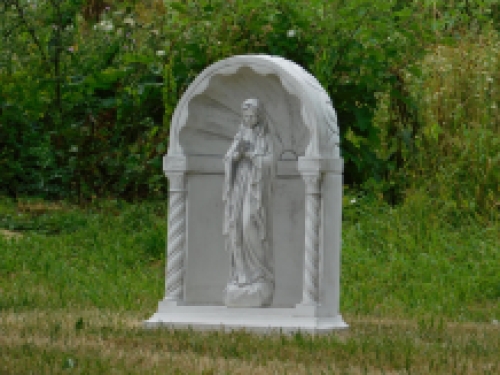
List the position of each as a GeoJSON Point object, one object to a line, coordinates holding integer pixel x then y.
{"type": "Point", "coordinates": [251, 112]}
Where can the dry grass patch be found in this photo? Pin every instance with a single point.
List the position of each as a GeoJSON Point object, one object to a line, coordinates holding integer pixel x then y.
{"type": "Point", "coordinates": [9, 234]}
{"type": "Point", "coordinates": [35, 207]}
{"type": "Point", "coordinates": [117, 343]}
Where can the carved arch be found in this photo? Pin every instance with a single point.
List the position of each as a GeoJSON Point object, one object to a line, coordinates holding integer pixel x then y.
{"type": "Point", "coordinates": [317, 114]}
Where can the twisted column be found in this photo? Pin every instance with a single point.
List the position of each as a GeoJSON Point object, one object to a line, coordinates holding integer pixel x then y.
{"type": "Point", "coordinates": [310, 294]}
{"type": "Point", "coordinates": [176, 237]}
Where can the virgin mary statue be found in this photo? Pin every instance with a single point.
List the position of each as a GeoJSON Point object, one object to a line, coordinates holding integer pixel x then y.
{"type": "Point", "coordinates": [249, 172]}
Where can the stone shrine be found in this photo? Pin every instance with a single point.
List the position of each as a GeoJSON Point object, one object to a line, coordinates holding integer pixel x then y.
{"type": "Point", "coordinates": [255, 211]}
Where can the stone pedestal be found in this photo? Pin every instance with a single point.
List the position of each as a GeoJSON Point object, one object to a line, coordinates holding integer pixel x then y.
{"type": "Point", "coordinates": [262, 320]}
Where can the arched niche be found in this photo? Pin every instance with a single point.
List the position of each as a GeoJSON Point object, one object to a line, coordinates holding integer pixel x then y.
{"type": "Point", "coordinates": [214, 115]}
{"type": "Point", "coordinates": [306, 208]}
{"type": "Point", "coordinates": [299, 110]}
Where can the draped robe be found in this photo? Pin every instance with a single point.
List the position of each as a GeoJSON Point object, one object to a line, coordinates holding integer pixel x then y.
{"type": "Point", "coordinates": [247, 219]}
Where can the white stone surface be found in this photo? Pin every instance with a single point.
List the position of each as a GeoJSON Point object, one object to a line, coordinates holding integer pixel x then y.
{"type": "Point", "coordinates": [305, 210]}
{"type": "Point", "coordinates": [262, 320]}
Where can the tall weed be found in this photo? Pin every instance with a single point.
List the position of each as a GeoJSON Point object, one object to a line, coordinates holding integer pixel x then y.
{"type": "Point", "coordinates": [452, 149]}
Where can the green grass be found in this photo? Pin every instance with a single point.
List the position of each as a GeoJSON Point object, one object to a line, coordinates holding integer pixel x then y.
{"type": "Point", "coordinates": [414, 260]}
{"type": "Point", "coordinates": [106, 257]}
{"type": "Point", "coordinates": [420, 289]}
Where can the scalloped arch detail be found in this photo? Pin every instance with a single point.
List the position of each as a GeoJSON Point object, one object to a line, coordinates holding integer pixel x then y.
{"type": "Point", "coordinates": [316, 110]}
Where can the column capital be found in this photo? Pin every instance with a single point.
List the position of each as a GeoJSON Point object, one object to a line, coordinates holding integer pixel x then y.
{"type": "Point", "coordinates": [174, 164]}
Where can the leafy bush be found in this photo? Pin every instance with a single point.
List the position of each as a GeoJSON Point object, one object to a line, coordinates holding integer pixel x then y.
{"type": "Point", "coordinates": [92, 94]}
{"type": "Point", "coordinates": [89, 87]}
{"type": "Point", "coordinates": [452, 146]}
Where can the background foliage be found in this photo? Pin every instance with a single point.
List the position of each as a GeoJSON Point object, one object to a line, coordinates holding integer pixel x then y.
{"type": "Point", "coordinates": [87, 89]}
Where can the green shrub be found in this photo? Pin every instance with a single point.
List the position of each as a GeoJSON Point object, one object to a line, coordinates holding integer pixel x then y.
{"type": "Point", "coordinates": [99, 81]}
{"type": "Point", "coordinates": [451, 149]}
{"type": "Point", "coordinates": [94, 94]}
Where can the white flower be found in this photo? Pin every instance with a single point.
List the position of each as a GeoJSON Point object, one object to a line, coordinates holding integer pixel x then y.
{"type": "Point", "coordinates": [73, 149]}
{"type": "Point", "coordinates": [160, 53]}
{"type": "Point", "coordinates": [291, 33]}
{"type": "Point", "coordinates": [104, 25]}
{"type": "Point", "coordinates": [353, 200]}
{"type": "Point", "coordinates": [129, 21]}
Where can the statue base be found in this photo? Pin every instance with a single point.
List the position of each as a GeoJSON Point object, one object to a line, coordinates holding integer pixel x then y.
{"type": "Point", "coordinates": [261, 320]}
{"type": "Point", "coordinates": [249, 295]}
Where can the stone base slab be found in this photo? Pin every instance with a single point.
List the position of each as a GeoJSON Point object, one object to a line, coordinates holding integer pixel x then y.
{"type": "Point", "coordinates": [262, 320]}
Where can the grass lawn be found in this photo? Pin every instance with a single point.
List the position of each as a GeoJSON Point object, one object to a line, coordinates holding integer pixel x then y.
{"type": "Point", "coordinates": [420, 290]}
